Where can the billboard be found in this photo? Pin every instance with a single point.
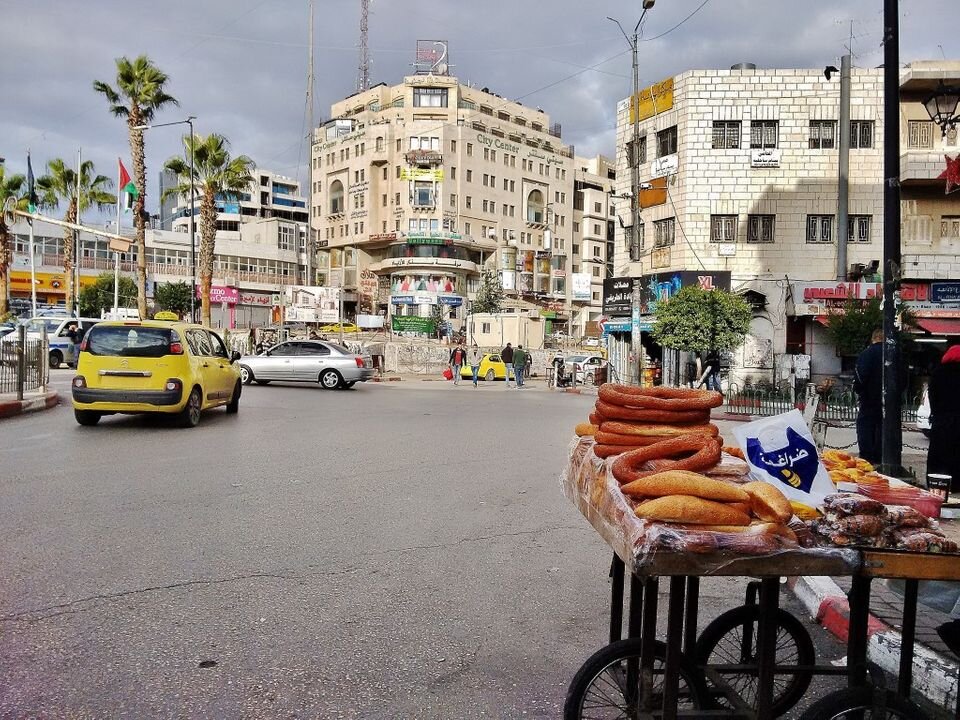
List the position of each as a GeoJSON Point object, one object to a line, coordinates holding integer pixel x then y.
{"type": "Point", "coordinates": [312, 304]}
{"type": "Point", "coordinates": [656, 287]}
{"type": "Point", "coordinates": [580, 286]}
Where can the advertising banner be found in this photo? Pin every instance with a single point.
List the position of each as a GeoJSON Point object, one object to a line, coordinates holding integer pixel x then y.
{"type": "Point", "coordinates": [413, 323]}
{"type": "Point", "coordinates": [580, 286]}
{"type": "Point", "coordinates": [220, 294]}
{"type": "Point", "coordinates": [312, 303]}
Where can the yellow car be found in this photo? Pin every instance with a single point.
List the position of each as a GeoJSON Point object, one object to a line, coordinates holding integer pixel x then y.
{"type": "Point", "coordinates": [491, 368]}
{"type": "Point", "coordinates": [348, 327]}
{"type": "Point", "coordinates": [153, 366]}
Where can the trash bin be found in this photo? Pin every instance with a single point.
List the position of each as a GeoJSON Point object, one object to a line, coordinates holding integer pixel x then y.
{"type": "Point", "coordinates": [600, 375]}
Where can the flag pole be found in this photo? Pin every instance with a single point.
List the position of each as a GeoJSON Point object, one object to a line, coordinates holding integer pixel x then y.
{"type": "Point", "coordinates": [116, 253]}
{"type": "Point", "coordinates": [33, 258]}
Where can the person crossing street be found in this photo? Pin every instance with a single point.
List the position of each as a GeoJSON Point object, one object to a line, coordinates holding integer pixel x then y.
{"type": "Point", "coordinates": [457, 360]}
{"type": "Point", "coordinates": [474, 357]}
{"type": "Point", "coordinates": [507, 356]}
{"type": "Point", "coordinates": [519, 364]}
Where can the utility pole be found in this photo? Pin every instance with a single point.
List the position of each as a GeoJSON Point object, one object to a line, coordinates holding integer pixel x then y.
{"type": "Point", "coordinates": [76, 242]}
{"type": "Point", "coordinates": [892, 435]}
{"type": "Point", "coordinates": [843, 186]}
{"type": "Point", "coordinates": [636, 346]}
{"type": "Point", "coordinates": [309, 244]}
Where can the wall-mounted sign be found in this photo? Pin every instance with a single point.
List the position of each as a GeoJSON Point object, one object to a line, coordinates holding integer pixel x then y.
{"type": "Point", "coordinates": [312, 304]}
{"type": "Point", "coordinates": [727, 249]}
{"type": "Point", "coordinates": [945, 292]}
{"type": "Point", "coordinates": [432, 58]}
{"type": "Point", "coordinates": [653, 100]}
{"type": "Point", "coordinates": [836, 291]}
{"type": "Point", "coordinates": [450, 300]}
{"type": "Point", "coordinates": [656, 194]}
{"type": "Point", "coordinates": [220, 294]}
{"type": "Point", "coordinates": [424, 157]}
{"type": "Point", "coordinates": [413, 323]}
{"type": "Point", "coordinates": [767, 158]}
{"type": "Point", "coordinates": [383, 237]}
{"type": "Point", "coordinates": [419, 173]}
{"type": "Point", "coordinates": [666, 165]}
{"type": "Point", "coordinates": [580, 286]}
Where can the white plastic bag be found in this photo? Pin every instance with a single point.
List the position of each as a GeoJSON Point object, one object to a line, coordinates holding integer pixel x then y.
{"type": "Point", "coordinates": [780, 450]}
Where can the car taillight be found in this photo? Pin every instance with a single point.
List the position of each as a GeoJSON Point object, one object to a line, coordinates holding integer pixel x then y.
{"type": "Point", "coordinates": [79, 381]}
{"type": "Point", "coordinates": [176, 348]}
{"type": "Point", "coordinates": [173, 384]}
{"type": "Point", "coordinates": [359, 361]}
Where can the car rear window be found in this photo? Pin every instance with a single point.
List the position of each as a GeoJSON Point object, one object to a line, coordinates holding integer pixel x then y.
{"type": "Point", "coordinates": [127, 341]}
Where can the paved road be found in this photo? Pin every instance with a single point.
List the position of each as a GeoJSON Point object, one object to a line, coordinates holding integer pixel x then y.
{"type": "Point", "coordinates": [394, 551]}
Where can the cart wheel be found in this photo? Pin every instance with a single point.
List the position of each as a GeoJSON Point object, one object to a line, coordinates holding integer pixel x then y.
{"type": "Point", "coordinates": [600, 688]}
{"type": "Point", "coordinates": [731, 639]}
{"type": "Point", "coordinates": [863, 703]}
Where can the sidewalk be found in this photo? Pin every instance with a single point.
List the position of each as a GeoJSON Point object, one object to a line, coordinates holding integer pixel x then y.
{"type": "Point", "coordinates": [535, 383]}
{"type": "Point", "coordinates": [32, 402]}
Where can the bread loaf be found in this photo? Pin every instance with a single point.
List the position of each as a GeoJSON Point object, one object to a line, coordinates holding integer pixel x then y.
{"type": "Point", "coordinates": [684, 482]}
{"type": "Point", "coordinates": [586, 429]}
{"type": "Point", "coordinates": [660, 430]}
{"type": "Point", "coordinates": [768, 503]}
{"type": "Point", "coordinates": [692, 510]}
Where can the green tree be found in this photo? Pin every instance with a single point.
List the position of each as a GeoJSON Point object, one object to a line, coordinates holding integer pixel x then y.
{"type": "Point", "coordinates": [13, 189]}
{"type": "Point", "coordinates": [216, 174]}
{"type": "Point", "coordinates": [61, 184]}
{"type": "Point", "coordinates": [438, 316]}
{"type": "Point", "coordinates": [174, 297]}
{"type": "Point", "coordinates": [96, 298]}
{"type": "Point", "coordinates": [851, 326]}
{"type": "Point", "coordinates": [698, 320]}
{"type": "Point", "coordinates": [490, 295]}
{"type": "Point", "coordinates": [140, 92]}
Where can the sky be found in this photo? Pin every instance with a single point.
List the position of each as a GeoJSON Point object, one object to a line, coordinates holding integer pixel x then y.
{"type": "Point", "coordinates": [240, 66]}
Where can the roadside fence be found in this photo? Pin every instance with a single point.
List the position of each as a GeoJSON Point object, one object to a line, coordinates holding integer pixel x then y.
{"type": "Point", "coordinates": [24, 364]}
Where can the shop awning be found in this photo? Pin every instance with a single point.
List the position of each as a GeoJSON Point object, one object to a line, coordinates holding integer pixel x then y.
{"type": "Point", "coordinates": [940, 326]}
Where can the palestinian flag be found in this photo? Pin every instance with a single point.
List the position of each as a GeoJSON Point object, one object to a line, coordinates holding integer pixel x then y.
{"type": "Point", "coordinates": [127, 187]}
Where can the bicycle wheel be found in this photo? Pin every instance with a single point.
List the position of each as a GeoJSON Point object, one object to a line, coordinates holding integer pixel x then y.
{"type": "Point", "coordinates": [600, 689]}
{"type": "Point", "coordinates": [731, 639]}
{"type": "Point", "coordinates": [860, 704]}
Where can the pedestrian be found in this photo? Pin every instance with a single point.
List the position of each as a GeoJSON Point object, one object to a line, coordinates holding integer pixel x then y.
{"type": "Point", "coordinates": [713, 370]}
{"type": "Point", "coordinates": [868, 384]}
{"type": "Point", "coordinates": [519, 364]}
{"type": "Point", "coordinates": [944, 393]}
{"type": "Point", "coordinates": [474, 357]}
{"type": "Point", "coordinates": [528, 370]}
{"type": "Point", "coordinates": [507, 356]}
{"type": "Point", "coordinates": [457, 359]}
{"type": "Point", "coordinates": [557, 364]}
{"type": "Point", "coordinates": [75, 333]}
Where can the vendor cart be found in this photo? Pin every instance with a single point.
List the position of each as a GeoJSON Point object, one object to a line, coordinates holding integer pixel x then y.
{"type": "Point", "coordinates": [754, 661]}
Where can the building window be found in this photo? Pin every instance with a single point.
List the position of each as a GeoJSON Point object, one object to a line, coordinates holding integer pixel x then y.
{"type": "Point", "coordinates": [336, 197]}
{"type": "Point", "coordinates": [453, 146]}
{"type": "Point", "coordinates": [726, 134]}
{"type": "Point", "coordinates": [396, 198]}
{"type": "Point", "coordinates": [485, 328]}
{"type": "Point", "coordinates": [667, 141]}
{"type": "Point", "coordinates": [822, 134]}
{"type": "Point", "coordinates": [760, 228]}
{"type": "Point", "coordinates": [723, 228]}
{"type": "Point", "coordinates": [535, 206]}
{"type": "Point", "coordinates": [920, 134]}
{"type": "Point", "coordinates": [469, 175]}
{"type": "Point", "coordinates": [469, 202]}
{"type": "Point", "coordinates": [819, 228]}
{"type": "Point", "coordinates": [486, 205]}
{"type": "Point", "coordinates": [466, 228]}
{"type": "Point", "coordinates": [598, 207]}
{"type": "Point", "coordinates": [950, 227]}
{"type": "Point", "coordinates": [429, 97]}
{"type": "Point", "coordinates": [453, 173]}
{"type": "Point", "coordinates": [763, 134]}
{"type": "Point", "coordinates": [861, 134]}
{"type": "Point", "coordinates": [858, 228]}
{"type": "Point", "coordinates": [285, 237]}
{"type": "Point", "coordinates": [640, 157]}
{"type": "Point", "coordinates": [469, 149]}
{"type": "Point", "coordinates": [453, 200]}
{"type": "Point", "coordinates": [664, 232]}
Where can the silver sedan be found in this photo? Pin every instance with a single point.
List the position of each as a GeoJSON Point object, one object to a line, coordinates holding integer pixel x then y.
{"type": "Point", "coordinates": [331, 365]}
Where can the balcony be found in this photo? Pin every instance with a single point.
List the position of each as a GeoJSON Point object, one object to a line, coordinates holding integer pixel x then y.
{"type": "Point", "coordinates": [921, 166]}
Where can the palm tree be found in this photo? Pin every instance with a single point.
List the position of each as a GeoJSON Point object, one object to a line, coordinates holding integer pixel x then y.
{"type": "Point", "coordinates": [216, 175]}
{"type": "Point", "coordinates": [61, 184]}
{"type": "Point", "coordinates": [138, 95]}
{"type": "Point", "coordinates": [14, 186]}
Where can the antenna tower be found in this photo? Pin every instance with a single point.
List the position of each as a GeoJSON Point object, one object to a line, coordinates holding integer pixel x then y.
{"type": "Point", "coordinates": [363, 73]}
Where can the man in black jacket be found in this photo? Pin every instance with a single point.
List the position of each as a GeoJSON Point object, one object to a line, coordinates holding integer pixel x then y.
{"type": "Point", "coordinates": [868, 384]}
{"type": "Point", "coordinates": [507, 356]}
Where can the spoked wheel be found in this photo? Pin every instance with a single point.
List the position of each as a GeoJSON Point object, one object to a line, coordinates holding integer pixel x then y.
{"type": "Point", "coordinates": [863, 703]}
{"type": "Point", "coordinates": [330, 379]}
{"type": "Point", "coordinates": [490, 376]}
{"type": "Point", "coordinates": [731, 639]}
{"type": "Point", "coordinates": [603, 688]}
{"type": "Point", "coordinates": [190, 415]}
{"type": "Point", "coordinates": [246, 375]}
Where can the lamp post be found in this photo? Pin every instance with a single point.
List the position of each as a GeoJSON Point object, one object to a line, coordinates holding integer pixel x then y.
{"type": "Point", "coordinates": [941, 106]}
{"type": "Point", "coordinates": [193, 222]}
{"type": "Point", "coordinates": [636, 348]}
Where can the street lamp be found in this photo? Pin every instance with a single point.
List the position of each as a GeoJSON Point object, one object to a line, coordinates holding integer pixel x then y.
{"type": "Point", "coordinates": [193, 222]}
{"type": "Point", "coordinates": [941, 106]}
{"type": "Point", "coordinates": [634, 163]}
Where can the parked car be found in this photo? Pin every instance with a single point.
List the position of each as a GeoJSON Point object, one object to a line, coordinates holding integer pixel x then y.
{"type": "Point", "coordinates": [348, 327]}
{"type": "Point", "coordinates": [57, 326]}
{"type": "Point", "coordinates": [584, 367]}
{"type": "Point", "coordinates": [491, 368]}
{"type": "Point", "coordinates": [153, 366]}
{"type": "Point", "coordinates": [923, 413]}
{"type": "Point", "coordinates": [331, 365]}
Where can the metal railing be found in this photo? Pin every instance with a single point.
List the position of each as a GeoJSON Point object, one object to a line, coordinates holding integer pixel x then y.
{"type": "Point", "coordinates": [23, 364]}
{"type": "Point", "coordinates": [838, 404]}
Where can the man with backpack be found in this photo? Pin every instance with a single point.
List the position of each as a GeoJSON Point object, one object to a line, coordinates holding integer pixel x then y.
{"type": "Point", "coordinates": [457, 359]}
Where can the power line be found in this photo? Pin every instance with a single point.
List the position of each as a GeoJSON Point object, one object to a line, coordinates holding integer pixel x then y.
{"type": "Point", "coordinates": [667, 32]}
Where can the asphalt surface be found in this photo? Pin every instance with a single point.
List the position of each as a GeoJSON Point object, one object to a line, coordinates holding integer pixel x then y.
{"type": "Point", "coordinates": [393, 551]}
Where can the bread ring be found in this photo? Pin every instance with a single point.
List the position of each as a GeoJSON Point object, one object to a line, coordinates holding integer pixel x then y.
{"type": "Point", "coordinates": [706, 453]}
{"type": "Point", "coordinates": [586, 429]}
{"type": "Point", "coordinates": [609, 438]}
{"type": "Point", "coordinates": [595, 419]}
{"type": "Point", "coordinates": [658, 430]}
{"type": "Point", "coordinates": [605, 451]}
{"type": "Point", "coordinates": [617, 412]}
{"type": "Point", "coordinates": [659, 398]}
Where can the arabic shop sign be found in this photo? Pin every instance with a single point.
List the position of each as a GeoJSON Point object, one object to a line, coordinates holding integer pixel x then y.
{"type": "Point", "coordinates": [413, 323]}
{"type": "Point", "coordinates": [423, 157]}
{"type": "Point", "coordinates": [653, 100]}
{"type": "Point", "coordinates": [945, 292]}
{"type": "Point", "coordinates": [656, 287]}
{"type": "Point", "coordinates": [836, 292]}
{"type": "Point", "coordinates": [419, 173]}
{"type": "Point", "coordinates": [666, 165]}
{"type": "Point", "coordinates": [617, 296]}
{"type": "Point", "coordinates": [767, 158]}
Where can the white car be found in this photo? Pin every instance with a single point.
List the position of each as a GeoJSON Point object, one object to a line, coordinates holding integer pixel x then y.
{"type": "Point", "coordinates": [923, 413]}
{"type": "Point", "coordinates": [585, 367]}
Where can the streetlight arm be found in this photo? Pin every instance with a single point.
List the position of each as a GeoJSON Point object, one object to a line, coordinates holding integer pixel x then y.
{"type": "Point", "coordinates": [168, 124]}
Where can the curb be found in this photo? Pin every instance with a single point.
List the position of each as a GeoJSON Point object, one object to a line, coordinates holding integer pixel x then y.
{"type": "Point", "coordinates": [10, 408]}
{"type": "Point", "coordinates": [934, 675]}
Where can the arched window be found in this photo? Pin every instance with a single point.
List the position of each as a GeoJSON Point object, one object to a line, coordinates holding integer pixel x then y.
{"type": "Point", "coordinates": [336, 197]}
{"type": "Point", "coordinates": [379, 144]}
{"type": "Point", "coordinates": [535, 206]}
